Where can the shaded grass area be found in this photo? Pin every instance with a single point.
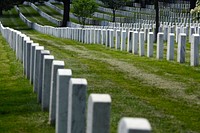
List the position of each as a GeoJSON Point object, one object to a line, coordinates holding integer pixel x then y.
{"type": "Point", "coordinates": [58, 5]}
{"type": "Point", "coordinates": [166, 93]}
{"type": "Point", "coordinates": [19, 110]}
{"type": "Point", "coordinates": [50, 11]}
{"type": "Point", "coordinates": [34, 16]}
{"type": "Point", "coordinates": [11, 19]}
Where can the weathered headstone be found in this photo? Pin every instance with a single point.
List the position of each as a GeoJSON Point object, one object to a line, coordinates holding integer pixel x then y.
{"type": "Point", "coordinates": [52, 105]}
{"type": "Point", "coordinates": [107, 37]}
{"type": "Point", "coordinates": [135, 42]}
{"type": "Point", "coordinates": [134, 125]}
{"type": "Point", "coordinates": [170, 46]}
{"type": "Point", "coordinates": [26, 39]}
{"type": "Point", "coordinates": [141, 43]}
{"type": "Point", "coordinates": [63, 78]}
{"type": "Point", "coordinates": [77, 105]}
{"type": "Point", "coordinates": [41, 65]}
{"type": "Point", "coordinates": [28, 58]}
{"type": "Point", "coordinates": [46, 81]}
{"type": "Point", "coordinates": [191, 32]}
{"type": "Point", "coordinates": [36, 67]}
{"type": "Point", "coordinates": [160, 46]}
{"type": "Point", "coordinates": [117, 39]}
{"type": "Point", "coordinates": [111, 39]}
{"type": "Point", "coordinates": [130, 41]}
{"type": "Point", "coordinates": [194, 53]}
{"type": "Point", "coordinates": [150, 44]}
{"type": "Point", "coordinates": [98, 114]}
{"type": "Point", "coordinates": [178, 31]}
{"type": "Point", "coordinates": [123, 41]}
{"type": "Point", "coordinates": [32, 58]}
{"type": "Point", "coordinates": [181, 48]}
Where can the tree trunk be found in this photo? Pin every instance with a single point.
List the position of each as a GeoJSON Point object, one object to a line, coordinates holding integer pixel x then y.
{"type": "Point", "coordinates": [113, 15]}
{"type": "Point", "coordinates": [1, 11]}
{"type": "Point", "coordinates": [66, 13]}
{"type": "Point", "coordinates": [157, 18]}
{"type": "Point", "coordinates": [192, 4]}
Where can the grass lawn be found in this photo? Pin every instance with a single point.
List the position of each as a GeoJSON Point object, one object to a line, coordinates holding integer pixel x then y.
{"type": "Point", "coordinates": [34, 16]}
{"type": "Point", "coordinates": [166, 93]}
{"type": "Point", "coordinates": [50, 11]}
{"type": "Point", "coordinates": [19, 110]}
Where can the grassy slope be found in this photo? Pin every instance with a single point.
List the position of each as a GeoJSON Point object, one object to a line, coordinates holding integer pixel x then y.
{"type": "Point", "coordinates": [166, 93]}
{"type": "Point", "coordinates": [19, 110]}
{"type": "Point", "coordinates": [34, 16]}
{"type": "Point", "coordinates": [50, 11]}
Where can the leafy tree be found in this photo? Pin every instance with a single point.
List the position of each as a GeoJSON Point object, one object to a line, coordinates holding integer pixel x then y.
{"type": "Point", "coordinates": [84, 9]}
{"type": "Point", "coordinates": [196, 10]}
{"type": "Point", "coordinates": [66, 17]}
{"type": "Point", "coordinates": [114, 5]}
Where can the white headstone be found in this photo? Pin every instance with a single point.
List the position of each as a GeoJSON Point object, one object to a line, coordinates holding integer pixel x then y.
{"type": "Point", "coordinates": [46, 81]}
{"type": "Point", "coordinates": [98, 114]}
{"type": "Point", "coordinates": [141, 43]}
{"type": "Point", "coordinates": [150, 44]}
{"type": "Point", "coordinates": [135, 42]}
{"type": "Point", "coordinates": [160, 46]}
{"type": "Point", "coordinates": [170, 46]}
{"type": "Point", "coordinates": [56, 64]}
{"type": "Point", "coordinates": [63, 78]}
{"type": "Point", "coordinates": [194, 57]}
{"type": "Point", "coordinates": [77, 105]}
{"type": "Point", "coordinates": [134, 125]}
{"type": "Point", "coordinates": [181, 48]}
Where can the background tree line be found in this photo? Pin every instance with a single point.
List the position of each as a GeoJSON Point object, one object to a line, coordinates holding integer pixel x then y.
{"type": "Point", "coordinates": [85, 8]}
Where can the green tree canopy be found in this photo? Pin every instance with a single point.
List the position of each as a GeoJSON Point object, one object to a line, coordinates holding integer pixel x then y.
{"type": "Point", "coordinates": [196, 10]}
{"type": "Point", "coordinates": [114, 5]}
{"type": "Point", "coordinates": [84, 9]}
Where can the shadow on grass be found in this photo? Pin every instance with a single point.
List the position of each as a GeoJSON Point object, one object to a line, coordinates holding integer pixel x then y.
{"type": "Point", "coordinates": [17, 97]}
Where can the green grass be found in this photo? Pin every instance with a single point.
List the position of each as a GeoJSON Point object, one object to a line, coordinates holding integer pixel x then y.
{"type": "Point", "coordinates": [166, 93]}
{"type": "Point", "coordinates": [34, 16]}
{"type": "Point", "coordinates": [19, 110]}
{"type": "Point", "coordinates": [59, 5]}
{"type": "Point", "coordinates": [50, 11]}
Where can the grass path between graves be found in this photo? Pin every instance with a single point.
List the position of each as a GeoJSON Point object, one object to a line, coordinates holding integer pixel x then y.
{"type": "Point", "coordinates": [50, 11]}
{"type": "Point", "coordinates": [19, 110]}
{"type": "Point", "coordinates": [34, 16]}
{"type": "Point", "coordinates": [166, 93]}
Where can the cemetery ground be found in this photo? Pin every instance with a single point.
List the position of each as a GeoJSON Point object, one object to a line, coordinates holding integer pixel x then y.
{"type": "Point", "coordinates": [166, 93]}
{"type": "Point", "coordinates": [19, 110]}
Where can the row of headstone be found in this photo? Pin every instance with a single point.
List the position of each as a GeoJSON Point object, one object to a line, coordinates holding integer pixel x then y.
{"type": "Point", "coordinates": [87, 20]}
{"type": "Point", "coordinates": [134, 17]}
{"type": "Point", "coordinates": [54, 7]}
{"type": "Point", "coordinates": [127, 39]}
{"type": "Point", "coordinates": [45, 15]}
{"type": "Point", "coordinates": [148, 14]}
{"type": "Point", "coordinates": [64, 96]}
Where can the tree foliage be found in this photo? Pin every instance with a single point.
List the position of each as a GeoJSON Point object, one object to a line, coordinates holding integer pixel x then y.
{"type": "Point", "coordinates": [84, 9]}
{"type": "Point", "coordinates": [196, 10]}
{"type": "Point", "coordinates": [114, 5]}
